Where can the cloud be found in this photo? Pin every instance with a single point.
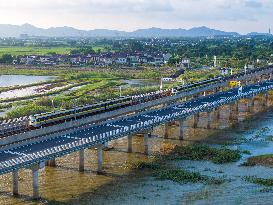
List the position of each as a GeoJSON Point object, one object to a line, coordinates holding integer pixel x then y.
{"type": "Point", "coordinates": [132, 14]}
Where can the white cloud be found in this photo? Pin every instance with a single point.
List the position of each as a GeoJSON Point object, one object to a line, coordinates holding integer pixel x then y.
{"type": "Point", "coordinates": [132, 14]}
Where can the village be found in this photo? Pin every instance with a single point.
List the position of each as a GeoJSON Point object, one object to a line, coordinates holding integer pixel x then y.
{"type": "Point", "coordinates": [104, 59]}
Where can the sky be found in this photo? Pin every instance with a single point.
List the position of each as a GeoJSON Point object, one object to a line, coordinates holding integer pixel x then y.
{"type": "Point", "coordinates": [229, 15]}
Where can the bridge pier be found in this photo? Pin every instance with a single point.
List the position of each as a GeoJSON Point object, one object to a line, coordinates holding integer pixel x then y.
{"type": "Point", "coordinates": [243, 110]}
{"type": "Point", "coordinates": [35, 181]}
{"type": "Point", "coordinates": [15, 183]}
{"type": "Point", "coordinates": [265, 100]}
{"type": "Point", "coordinates": [181, 129]}
{"type": "Point", "coordinates": [210, 120]}
{"type": "Point", "coordinates": [224, 116]}
{"type": "Point", "coordinates": [51, 163]}
{"type": "Point", "coordinates": [146, 146]}
{"type": "Point", "coordinates": [250, 105]}
{"type": "Point", "coordinates": [100, 159]}
{"type": "Point", "coordinates": [166, 130]}
{"type": "Point", "coordinates": [130, 144]}
{"type": "Point", "coordinates": [81, 160]}
{"type": "Point", "coordinates": [234, 112]}
{"type": "Point", "coordinates": [195, 120]}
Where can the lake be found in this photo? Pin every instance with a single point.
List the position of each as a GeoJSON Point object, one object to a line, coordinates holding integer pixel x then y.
{"type": "Point", "coordinates": [13, 80]}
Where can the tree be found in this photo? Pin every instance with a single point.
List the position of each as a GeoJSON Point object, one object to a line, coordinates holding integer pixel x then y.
{"type": "Point", "coordinates": [6, 58]}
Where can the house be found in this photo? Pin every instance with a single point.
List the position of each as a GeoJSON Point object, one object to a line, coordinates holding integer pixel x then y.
{"type": "Point", "coordinates": [31, 60]}
{"type": "Point", "coordinates": [157, 60]}
{"type": "Point", "coordinates": [133, 60]}
{"type": "Point", "coordinates": [143, 59]}
{"type": "Point", "coordinates": [261, 60]}
{"type": "Point", "coordinates": [225, 71]}
{"type": "Point", "coordinates": [120, 59]}
{"type": "Point", "coordinates": [167, 57]}
{"type": "Point", "coordinates": [78, 60]}
{"type": "Point", "coordinates": [185, 63]}
{"type": "Point", "coordinates": [106, 59]}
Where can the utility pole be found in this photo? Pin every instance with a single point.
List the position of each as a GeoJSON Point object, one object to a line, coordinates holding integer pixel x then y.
{"type": "Point", "coordinates": [215, 61]}
{"type": "Point", "coordinates": [161, 85]}
{"type": "Point", "coordinates": [120, 91]}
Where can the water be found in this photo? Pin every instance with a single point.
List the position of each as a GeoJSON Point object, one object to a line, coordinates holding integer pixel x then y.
{"type": "Point", "coordinates": [121, 185]}
{"type": "Point", "coordinates": [13, 80]}
{"type": "Point", "coordinates": [136, 83]}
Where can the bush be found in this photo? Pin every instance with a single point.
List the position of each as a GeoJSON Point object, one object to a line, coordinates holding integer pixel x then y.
{"type": "Point", "coordinates": [260, 181]}
{"type": "Point", "coordinates": [179, 176]}
{"type": "Point", "coordinates": [204, 152]}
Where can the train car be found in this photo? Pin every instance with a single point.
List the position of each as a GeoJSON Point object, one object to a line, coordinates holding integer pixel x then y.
{"type": "Point", "coordinates": [45, 119]}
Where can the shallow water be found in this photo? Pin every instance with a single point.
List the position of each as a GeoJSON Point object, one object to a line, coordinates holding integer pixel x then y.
{"type": "Point", "coordinates": [135, 83]}
{"type": "Point", "coordinates": [120, 185]}
{"type": "Point", "coordinates": [13, 80]}
{"type": "Point", "coordinates": [29, 91]}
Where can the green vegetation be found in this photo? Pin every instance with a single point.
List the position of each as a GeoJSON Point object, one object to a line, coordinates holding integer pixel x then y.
{"type": "Point", "coordinates": [90, 86]}
{"type": "Point", "coordinates": [180, 176]}
{"type": "Point", "coordinates": [162, 171]}
{"type": "Point", "coordinates": [260, 181]}
{"type": "Point", "coordinates": [204, 152]}
{"type": "Point", "coordinates": [29, 50]}
{"type": "Point", "coordinates": [198, 75]}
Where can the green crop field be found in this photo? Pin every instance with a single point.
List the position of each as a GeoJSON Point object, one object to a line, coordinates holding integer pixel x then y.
{"type": "Point", "coordinates": [15, 51]}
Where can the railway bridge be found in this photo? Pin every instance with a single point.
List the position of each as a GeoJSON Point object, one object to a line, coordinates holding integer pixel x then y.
{"type": "Point", "coordinates": [35, 152]}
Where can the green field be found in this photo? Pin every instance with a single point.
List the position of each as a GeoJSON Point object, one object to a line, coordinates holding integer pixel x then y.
{"type": "Point", "coordinates": [15, 51]}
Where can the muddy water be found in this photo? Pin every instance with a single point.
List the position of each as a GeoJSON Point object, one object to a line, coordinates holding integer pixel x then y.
{"type": "Point", "coordinates": [120, 185]}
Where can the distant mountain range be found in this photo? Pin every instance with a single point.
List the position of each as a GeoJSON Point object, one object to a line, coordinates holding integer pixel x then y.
{"type": "Point", "coordinates": [7, 30]}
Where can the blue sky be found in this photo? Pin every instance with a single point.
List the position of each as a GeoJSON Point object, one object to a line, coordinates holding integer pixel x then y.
{"type": "Point", "coordinates": [231, 15]}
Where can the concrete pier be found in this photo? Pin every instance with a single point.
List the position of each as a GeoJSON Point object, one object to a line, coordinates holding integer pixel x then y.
{"type": "Point", "coordinates": [195, 120]}
{"type": "Point", "coordinates": [166, 130]}
{"type": "Point", "coordinates": [243, 110]}
{"type": "Point", "coordinates": [81, 160]}
{"type": "Point", "coordinates": [210, 120]}
{"type": "Point", "coordinates": [130, 144]}
{"type": "Point", "coordinates": [100, 159]}
{"type": "Point", "coordinates": [224, 116]}
{"type": "Point", "coordinates": [35, 181]}
{"type": "Point", "coordinates": [146, 147]}
{"type": "Point", "coordinates": [51, 163]}
{"type": "Point", "coordinates": [181, 129]}
{"type": "Point", "coordinates": [15, 183]}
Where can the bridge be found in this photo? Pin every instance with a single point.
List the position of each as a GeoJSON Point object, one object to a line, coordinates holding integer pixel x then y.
{"type": "Point", "coordinates": [35, 152]}
{"type": "Point", "coordinates": [14, 131]}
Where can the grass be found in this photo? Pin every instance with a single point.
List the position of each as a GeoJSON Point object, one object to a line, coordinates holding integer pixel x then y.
{"type": "Point", "coordinates": [204, 152]}
{"type": "Point", "coordinates": [28, 50]}
{"type": "Point", "coordinates": [260, 181]}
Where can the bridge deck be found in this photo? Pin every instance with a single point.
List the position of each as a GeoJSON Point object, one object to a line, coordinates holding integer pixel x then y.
{"type": "Point", "coordinates": [33, 153]}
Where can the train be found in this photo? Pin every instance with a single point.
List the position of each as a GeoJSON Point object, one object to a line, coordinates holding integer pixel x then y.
{"type": "Point", "coordinates": [47, 119]}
